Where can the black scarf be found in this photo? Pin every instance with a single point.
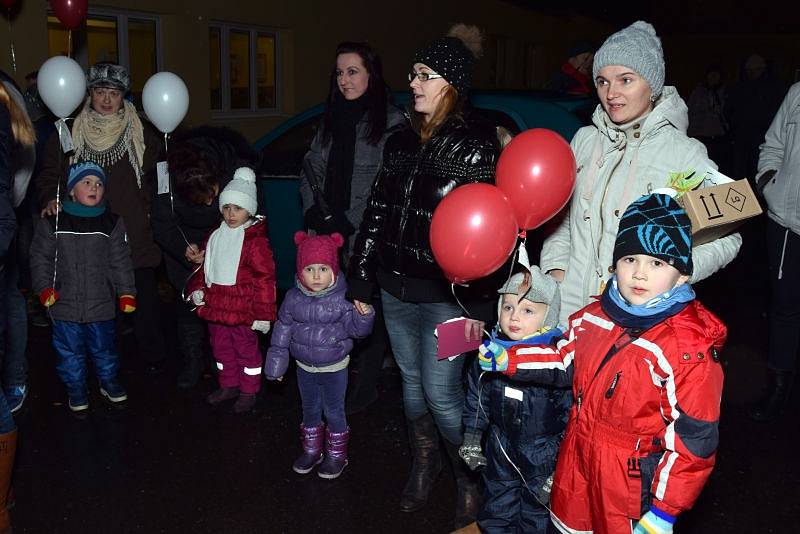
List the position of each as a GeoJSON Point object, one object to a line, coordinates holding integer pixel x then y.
{"type": "Point", "coordinates": [345, 116]}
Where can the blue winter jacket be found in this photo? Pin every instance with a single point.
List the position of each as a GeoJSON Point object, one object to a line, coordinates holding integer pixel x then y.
{"type": "Point", "coordinates": [316, 330]}
{"type": "Point", "coordinates": [529, 429]}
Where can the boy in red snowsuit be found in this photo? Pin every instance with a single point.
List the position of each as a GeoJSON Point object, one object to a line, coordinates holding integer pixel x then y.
{"type": "Point", "coordinates": [644, 366]}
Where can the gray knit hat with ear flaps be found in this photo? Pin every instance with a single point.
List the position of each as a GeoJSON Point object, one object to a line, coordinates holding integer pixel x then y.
{"type": "Point", "coordinates": [638, 48]}
{"type": "Point", "coordinates": [543, 289]}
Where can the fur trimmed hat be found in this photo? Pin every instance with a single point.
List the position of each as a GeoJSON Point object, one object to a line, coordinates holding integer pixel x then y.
{"type": "Point", "coordinates": [540, 288]}
{"type": "Point", "coordinates": [78, 171]}
{"type": "Point", "coordinates": [453, 56]}
{"type": "Point", "coordinates": [638, 48]}
{"type": "Point", "coordinates": [241, 191]}
{"type": "Point", "coordinates": [656, 225]}
{"type": "Point", "coordinates": [322, 249]}
{"type": "Point", "coordinates": [108, 75]}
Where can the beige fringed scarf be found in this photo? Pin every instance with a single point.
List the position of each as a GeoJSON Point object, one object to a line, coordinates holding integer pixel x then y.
{"type": "Point", "coordinates": [105, 139]}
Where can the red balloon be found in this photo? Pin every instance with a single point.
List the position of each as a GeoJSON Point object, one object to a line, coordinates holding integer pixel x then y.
{"type": "Point", "coordinates": [536, 170]}
{"type": "Point", "coordinates": [70, 12]}
{"type": "Point", "coordinates": [8, 4]}
{"type": "Point", "coordinates": [473, 232]}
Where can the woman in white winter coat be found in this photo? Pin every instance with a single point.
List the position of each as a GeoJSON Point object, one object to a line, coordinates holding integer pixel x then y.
{"type": "Point", "coordinates": [637, 143]}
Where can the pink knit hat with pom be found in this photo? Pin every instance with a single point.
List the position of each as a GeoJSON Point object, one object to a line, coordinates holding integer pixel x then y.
{"type": "Point", "coordinates": [318, 249]}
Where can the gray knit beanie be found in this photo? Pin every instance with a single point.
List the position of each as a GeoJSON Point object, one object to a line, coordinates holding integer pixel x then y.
{"type": "Point", "coordinates": [638, 48]}
{"type": "Point", "coordinates": [543, 289]}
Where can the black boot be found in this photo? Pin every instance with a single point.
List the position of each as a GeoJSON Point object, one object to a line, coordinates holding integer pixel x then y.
{"type": "Point", "coordinates": [370, 355]}
{"type": "Point", "coordinates": [468, 500]}
{"type": "Point", "coordinates": [427, 465]}
{"type": "Point", "coordinates": [775, 397]}
{"type": "Point", "coordinates": [191, 345]}
{"type": "Point", "coordinates": [190, 373]}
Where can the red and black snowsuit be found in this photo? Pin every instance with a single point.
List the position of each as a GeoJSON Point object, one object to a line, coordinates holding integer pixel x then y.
{"type": "Point", "coordinates": [643, 429]}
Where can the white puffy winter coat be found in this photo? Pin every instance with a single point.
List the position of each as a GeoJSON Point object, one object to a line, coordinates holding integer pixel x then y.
{"type": "Point", "coordinates": [781, 152]}
{"type": "Point", "coordinates": [616, 165]}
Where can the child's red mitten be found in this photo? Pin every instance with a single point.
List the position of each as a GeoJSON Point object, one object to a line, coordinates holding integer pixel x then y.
{"type": "Point", "coordinates": [48, 297]}
{"type": "Point", "coordinates": [127, 303]}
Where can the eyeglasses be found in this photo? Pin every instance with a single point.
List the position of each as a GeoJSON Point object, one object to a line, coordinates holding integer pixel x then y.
{"type": "Point", "coordinates": [423, 76]}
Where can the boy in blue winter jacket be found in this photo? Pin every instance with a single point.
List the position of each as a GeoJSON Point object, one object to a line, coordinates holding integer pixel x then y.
{"type": "Point", "coordinates": [81, 266]}
{"type": "Point", "coordinates": [525, 421]}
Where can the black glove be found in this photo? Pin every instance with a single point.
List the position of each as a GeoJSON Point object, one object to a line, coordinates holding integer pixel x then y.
{"type": "Point", "coordinates": [340, 223]}
{"type": "Point", "coordinates": [315, 220]}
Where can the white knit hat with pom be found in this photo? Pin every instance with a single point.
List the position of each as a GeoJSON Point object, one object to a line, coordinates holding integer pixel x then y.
{"type": "Point", "coordinates": [241, 191]}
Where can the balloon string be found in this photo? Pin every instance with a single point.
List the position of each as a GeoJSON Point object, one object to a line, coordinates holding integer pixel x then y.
{"type": "Point", "coordinates": [11, 40]}
{"type": "Point", "coordinates": [59, 125]}
{"type": "Point", "coordinates": [453, 291]}
{"type": "Point", "coordinates": [69, 44]}
{"type": "Point", "coordinates": [171, 199]}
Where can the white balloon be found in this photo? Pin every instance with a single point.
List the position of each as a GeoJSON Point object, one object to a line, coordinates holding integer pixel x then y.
{"type": "Point", "coordinates": [165, 99]}
{"type": "Point", "coordinates": [62, 85]}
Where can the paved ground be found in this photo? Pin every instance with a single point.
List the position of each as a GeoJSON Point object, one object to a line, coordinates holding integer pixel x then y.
{"type": "Point", "coordinates": [169, 463]}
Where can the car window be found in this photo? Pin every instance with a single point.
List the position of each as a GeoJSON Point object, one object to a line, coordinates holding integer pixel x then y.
{"type": "Point", "coordinates": [284, 155]}
{"type": "Point", "coordinates": [497, 118]}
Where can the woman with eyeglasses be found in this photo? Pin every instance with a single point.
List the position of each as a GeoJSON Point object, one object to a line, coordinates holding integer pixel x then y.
{"type": "Point", "coordinates": [108, 131]}
{"type": "Point", "coordinates": [443, 148]}
{"type": "Point", "coordinates": [338, 172]}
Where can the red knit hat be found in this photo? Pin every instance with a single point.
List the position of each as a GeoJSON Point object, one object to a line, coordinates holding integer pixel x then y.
{"type": "Point", "coordinates": [318, 249]}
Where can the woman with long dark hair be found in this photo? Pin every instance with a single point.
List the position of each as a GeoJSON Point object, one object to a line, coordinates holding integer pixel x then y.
{"type": "Point", "coordinates": [338, 172]}
{"type": "Point", "coordinates": [340, 166]}
{"type": "Point", "coordinates": [445, 147]}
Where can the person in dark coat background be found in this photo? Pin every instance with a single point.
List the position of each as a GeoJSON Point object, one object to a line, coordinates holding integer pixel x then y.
{"type": "Point", "coordinates": [574, 75]}
{"type": "Point", "coordinates": [15, 128]}
{"type": "Point", "coordinates": [751, 104]}
{"type": "Point", "coordinates": [201, 163]}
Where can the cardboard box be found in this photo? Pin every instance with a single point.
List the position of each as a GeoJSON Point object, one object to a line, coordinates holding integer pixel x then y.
{"type": "Point", "coordinates": [717, 211]}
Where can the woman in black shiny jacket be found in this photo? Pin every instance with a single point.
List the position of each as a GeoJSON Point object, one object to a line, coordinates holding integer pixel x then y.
{"type": "Point", "coordinates": [443, 149]}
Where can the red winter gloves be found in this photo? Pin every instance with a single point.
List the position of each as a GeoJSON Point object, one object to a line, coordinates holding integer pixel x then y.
{"type": "Point", "coordinates": [48, 297]}
{"type": "Point", "coordinates": [127, 303]}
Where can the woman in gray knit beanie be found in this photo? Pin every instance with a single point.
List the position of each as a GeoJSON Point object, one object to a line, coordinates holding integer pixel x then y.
{"type": "Point", "coordinates": [636, 144]}
{"type": "Point", "coordinates": [632, 59]}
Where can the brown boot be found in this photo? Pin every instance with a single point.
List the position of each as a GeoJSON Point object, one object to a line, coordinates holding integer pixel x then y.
{"type": "Point", "coordinates": [8, 449]}
{"type": "Point", "coordinates": [424, 438]}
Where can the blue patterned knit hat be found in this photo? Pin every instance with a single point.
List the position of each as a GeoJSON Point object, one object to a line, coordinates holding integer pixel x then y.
{"type": "Point", "coordinates": [80, 170]}
{"type": "Point", "coordinates": [656, 225]}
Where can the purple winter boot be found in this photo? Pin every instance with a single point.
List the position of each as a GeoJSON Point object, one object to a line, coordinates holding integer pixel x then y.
{"type": "Point", "coordinates": [312, 448]}
{"type": "Point", "coordinates": [335, 454]}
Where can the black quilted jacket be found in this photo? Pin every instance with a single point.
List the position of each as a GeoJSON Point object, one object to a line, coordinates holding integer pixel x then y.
{"type": "Point", "coordinates": [393, 247]}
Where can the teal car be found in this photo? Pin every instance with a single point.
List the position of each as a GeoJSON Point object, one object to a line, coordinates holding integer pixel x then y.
{"type": "Point", "coordinates": [284, 147]}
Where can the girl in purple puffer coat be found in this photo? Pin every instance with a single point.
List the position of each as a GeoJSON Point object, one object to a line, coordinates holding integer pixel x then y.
{"type": "Point", "coordinates": [316, 325]}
